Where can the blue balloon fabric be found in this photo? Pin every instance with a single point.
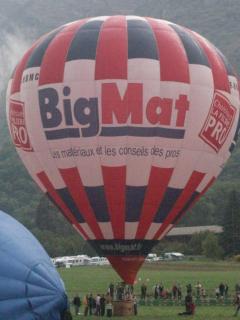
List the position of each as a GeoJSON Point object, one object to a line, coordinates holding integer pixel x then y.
{"type": "Point", "coordinates": [30, 286]}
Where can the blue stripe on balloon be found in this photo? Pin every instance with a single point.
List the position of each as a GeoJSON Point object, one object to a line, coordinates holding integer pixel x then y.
{"type": "Point", "coordinates": [84, 44]}
{"type": "Point", "coordinates": [186, 207]}
{"type": "Point", "coordinates": [141, 40]}
{"type": "Point", "coordinates": [97, 199]}
{"type": "Point", "coordinates": [68, 200]}
{"type": "Point", "coordinates": [170, 197]}
{"type": "Point", "coordinates": [134, 202]}
{"type": "Point", "coordinates": [195, 53]}
{"type": "Point", "coordinates": [37, 55]}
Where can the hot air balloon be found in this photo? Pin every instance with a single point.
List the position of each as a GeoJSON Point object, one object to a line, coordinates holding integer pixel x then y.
{"type": "Point", "coordinates": [30, 286]}
{"type": "Point", "coordinates": [124, 122]}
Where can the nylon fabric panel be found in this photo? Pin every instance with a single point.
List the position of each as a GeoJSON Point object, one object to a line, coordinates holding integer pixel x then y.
{"type": "Point", "coordinates": [53, 64]}
{"type": "Point", "coordinates": [199, 195]}
{"type": "Point", "coordinates": [185, 195]}
{"type": "Point", "coordinates": [170, 198]}
{"type": "Point", "coordinates": [169, 46]}
{"type": "Point", "coordinates": [115, 187]}
{"type": "Point", "coordinates": [17, 78]}
{"type": "Point", "coordinates": [73, 181]}
{"type": "Point", "coordinates": [228, 66]}
{"type": "Point", "coordinates": [219, 71]}
{"type": "Point", "coordinates": [112, 55]}
{"type": "Point", "coordinates": [36, 57]}
{"type": "Point", "coordinates": [157, 186]}
{"type": "Point", "coordinates": [194, 52]}
{"type": "Point", "coordinates": [54, 195]}
{"type": "Point", "coordinates": [70, 203]}
{"type": "Point", "coordinates": [134, 201]}
{"type": "Point", "coordinates": [84, 44]}
{"type": "Point", "coordinates": [141, 41]}
{"type": "Point", "coordinates": [188, 205]}
{"type": "Point", "coordinates": [97, 200]}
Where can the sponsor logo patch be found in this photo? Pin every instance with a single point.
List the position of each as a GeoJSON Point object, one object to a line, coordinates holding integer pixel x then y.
{"type": "Point", "coordinates": [18, 125]}
{"type": "Point", "coordinates": [219, 122]}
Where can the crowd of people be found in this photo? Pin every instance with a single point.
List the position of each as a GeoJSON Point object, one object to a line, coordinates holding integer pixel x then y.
{"type": "Point", "coordinates": [102, 304]}
{"type": "Point", "coordinates": [176, 291]}
{"type": "Point", "coordinates": [99, 305]}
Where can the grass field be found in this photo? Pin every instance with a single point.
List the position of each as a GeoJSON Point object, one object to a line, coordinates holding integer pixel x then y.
{"type": "Point", "coordinates": [91, 279]}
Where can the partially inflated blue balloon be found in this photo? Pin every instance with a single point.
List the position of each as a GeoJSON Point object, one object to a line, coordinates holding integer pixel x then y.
{"type": "Point", "coordinates": [30, 286]}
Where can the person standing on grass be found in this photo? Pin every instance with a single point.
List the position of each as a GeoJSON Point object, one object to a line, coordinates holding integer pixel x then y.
{"type": "Point", "coordinates": [111, 289]}
{"type": "Point", "coordinates": [86, 305]}
{"type": "Point", "coordinates": [237, 304]}
{"type": "Point", "coordinates": [135, 305]}
{"type": "Point", "coordinates": [109, 306]}
{"type": "Point", "coordinates": [76, 304]}
{"type": "Point", "coordinates": [221, 290]}
{"type": "Point", "coordinates": [102, 305]}
{"type": "Point", "coordinates": [90, 304]}
{"type": "Point", "coordinates": [226, 290]}
{"type": "Point", "coordinates": [143, 291]}
{"type": "Point", "coordinates": [156, 291]}
{"type": "Point", "coordinates": [179, 292]}
{"type": "Point", "coordinates": [98, 307]}
{"type": "Point", "coordinates": [174, 291]}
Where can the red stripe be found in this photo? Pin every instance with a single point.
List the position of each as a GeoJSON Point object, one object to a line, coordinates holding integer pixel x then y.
{"type": "Point", "coordinates": [157, 185]}
{"type": "Point", "coordinates": [172, 56]}
{"type": "Point", "coordinates": [127, 266]}
{"type": "Point", "coordinates": [112, 55]}
{"type": "Point", "coordinates": [52, 67]}
{"type": "Point", "coordinates": [74, 184]}
{"type": "Point", "coordinates": [114, 185]}
{"type": "Point", "coordinates": [197, 198]}
{"type": "Point", "coordinates": [16, 83]}
{"type": "Point", "coordinates": [186, 194]}
{"type": "Point", "coordinates": [52, 192]}
{"type": "Point", "coordinates": [220, 76]}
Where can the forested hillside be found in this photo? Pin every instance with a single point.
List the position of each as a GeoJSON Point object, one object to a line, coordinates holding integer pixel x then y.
{"type": "Point", "coordinates": [21, 22]}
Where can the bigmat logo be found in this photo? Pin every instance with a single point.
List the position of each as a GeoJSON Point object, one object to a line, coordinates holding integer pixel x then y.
{"type": "Point", "coordinates": [64, 118]}
{"type": "Point", "coordinates": [18, 125]}
{"type": "Point", "coordinates": [219, 122]}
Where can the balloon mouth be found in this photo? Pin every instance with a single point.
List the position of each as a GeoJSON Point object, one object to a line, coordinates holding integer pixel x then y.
{"type": "Point", "coordinates": [127, 266]}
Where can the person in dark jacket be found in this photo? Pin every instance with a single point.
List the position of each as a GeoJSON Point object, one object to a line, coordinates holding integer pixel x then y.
{"type": "Point", "coordinates": [76, 303]}
{"type": "Point", "coordinates": [102, 305]}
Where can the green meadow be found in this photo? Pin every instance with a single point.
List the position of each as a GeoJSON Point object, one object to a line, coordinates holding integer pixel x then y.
{"type": "Point", "coordinates": [95, 279]}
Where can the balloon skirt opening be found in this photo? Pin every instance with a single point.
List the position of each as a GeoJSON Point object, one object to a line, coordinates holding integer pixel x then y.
{"type": "Point", "coordinates": [127, 266]}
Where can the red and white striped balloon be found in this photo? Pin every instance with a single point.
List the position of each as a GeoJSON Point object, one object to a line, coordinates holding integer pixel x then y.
{"type": "Point", "coordinates": [124, 122]}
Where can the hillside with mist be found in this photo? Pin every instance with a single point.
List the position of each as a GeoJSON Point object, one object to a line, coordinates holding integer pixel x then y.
{"type": "Point", "coordinates": [22, 22]}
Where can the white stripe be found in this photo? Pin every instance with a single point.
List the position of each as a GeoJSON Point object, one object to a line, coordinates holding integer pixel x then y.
{"type": "Point", "coordinates": [106, 228]}
{"type": "Point", "coordinates": [169, 227]}
{"type": "Point", "coordinates": [79, 70]}
{"type": "Point", "coordinates": [75, 227]}
{"type": "Point", "coordinates": [132, 17]}
{"type": "Point", "coordinates": [101, 18]}
{"type": "Point", "coordinates": [154, 227]}
{"type": "Point", "coordinates": [140, 69]}
{"type": "Point", "coordinates": [130, 230]}
{"type": "Point", "coordinates": [88, 231]}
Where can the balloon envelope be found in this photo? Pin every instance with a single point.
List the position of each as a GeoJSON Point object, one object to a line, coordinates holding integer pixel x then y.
{"type": "Point", "coordinates": [124, 122]}
{"type": "Point", "coordinates": [30, 286]}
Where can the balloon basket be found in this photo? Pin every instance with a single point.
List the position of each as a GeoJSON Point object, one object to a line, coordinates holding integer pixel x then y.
{"type": "Point", "coordinates": [123, 308]}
